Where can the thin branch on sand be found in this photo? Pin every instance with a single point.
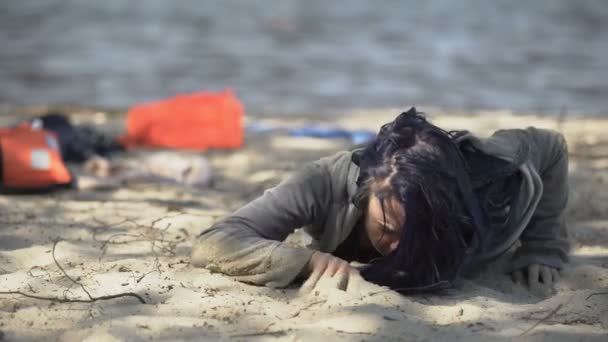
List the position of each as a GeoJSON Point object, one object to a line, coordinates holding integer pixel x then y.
{"type": "Point", "coordinates": [69, 300]}
{"type": "Point", "coordinates": [542, 320]}
{"type": "Point", "coordinates": [297, 313]}
{"type": "Point", "coordinates": [91, 298]}
{"type": "Point", "coordinates": [596, 294]}
{"type": "Point", "coordinates": [277, 333]}
{"type": "Point", "coordinates": [148, 233]}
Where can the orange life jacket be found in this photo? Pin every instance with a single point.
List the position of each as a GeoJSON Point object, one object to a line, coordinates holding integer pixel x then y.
{"type": "Point", "coordinates": [197, 121]}
{"type": "Point", "coordinates": [31, 159]}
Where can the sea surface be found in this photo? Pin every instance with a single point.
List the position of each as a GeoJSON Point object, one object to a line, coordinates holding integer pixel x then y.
{"type": "Point", "coordinates": [294, 56]}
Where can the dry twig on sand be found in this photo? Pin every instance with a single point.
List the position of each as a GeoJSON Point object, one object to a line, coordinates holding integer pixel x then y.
{"type": "Point", "coordinates": [277, 333]}
{"type": "Point", "coordinates": [596, 294]}
{"type": "Point", "coordinates": [91, 298]}
{"type": "Point", "coordinates": [542, 320]}
{"type": "Point", "coordinates": [148, 233]}
{"type": "Point", "coordinates": [297, 313]}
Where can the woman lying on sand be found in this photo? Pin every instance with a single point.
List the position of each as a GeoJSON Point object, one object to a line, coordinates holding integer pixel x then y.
{"type": "Point", "coordinates": [419, 205]}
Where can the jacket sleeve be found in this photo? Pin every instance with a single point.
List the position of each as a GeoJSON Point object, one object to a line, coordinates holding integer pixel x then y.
{"type": "Point", "coordinates": [545, 239]}
{"type": "Point", "coordinates": [247, 245]}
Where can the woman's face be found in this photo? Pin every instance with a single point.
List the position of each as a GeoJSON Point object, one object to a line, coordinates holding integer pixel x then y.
{"type": "Point", "coordinates": [384, 227]}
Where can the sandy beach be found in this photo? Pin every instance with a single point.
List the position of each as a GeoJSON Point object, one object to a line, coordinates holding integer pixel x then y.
{"type": "Point", "coordinates": [137, 241]}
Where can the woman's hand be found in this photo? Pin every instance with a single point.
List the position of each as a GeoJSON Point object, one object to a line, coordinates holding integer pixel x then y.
{"type": "Point", "coordinates": [327, 271]}
{"type": "Point", "coordinates": [541, 278]}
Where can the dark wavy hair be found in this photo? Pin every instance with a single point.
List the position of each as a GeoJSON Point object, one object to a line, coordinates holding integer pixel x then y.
{"type": "Point", "coordinates": [420, 165]}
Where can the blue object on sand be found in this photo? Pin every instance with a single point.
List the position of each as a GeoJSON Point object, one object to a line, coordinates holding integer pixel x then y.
{"type": "Point", "coordinates": [362, 136]}
{"type": "Point", "coordinates": [257, 128]}
{"type": "Point", "coordinates": [358, 136]}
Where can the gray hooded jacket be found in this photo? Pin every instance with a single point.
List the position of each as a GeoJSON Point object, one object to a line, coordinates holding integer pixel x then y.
{"type": "Point", "coordinates": [248, 245]}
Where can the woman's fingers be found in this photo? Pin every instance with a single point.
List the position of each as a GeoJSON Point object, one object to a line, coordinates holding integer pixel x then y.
{"type": "Point", "coordinates": [333, 266]}
{"type": "Point", "coordinates": [322, 268]}
{"type": "Point", "coordinates": [339, 280]}
{"type": "Point", "coordinates": [355, 280]}
{"type": "Point", "coordinates": [342, 278]}
{"type": "Point", "coordinates": [534, 285]}
{"type": "Point", "coordinates": [545, 275]}
{"type": "Point", "coordinates": [533, 272]}
{"type": "Point", "coordinates": [541, 279]}
{"type": "Point", "coordinates": [327, 272]}
{"type": "Point", "coordinates": [311, 282]}
{"type": "Point", "coordinates": [315, 269]}
{"type": "Point", "coordinates": [555, 274]}
{"type": "Point", "coordinates": [335, 275]}
{"type": "Point", "coordinates": [518, 277]}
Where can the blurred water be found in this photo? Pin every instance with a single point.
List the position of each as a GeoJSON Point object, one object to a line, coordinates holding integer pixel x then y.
{"type": "Point", "coordinates": [303, 55]}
